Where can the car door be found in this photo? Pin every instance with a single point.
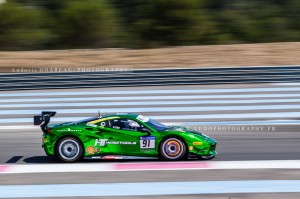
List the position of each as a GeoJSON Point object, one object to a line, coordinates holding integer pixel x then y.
{"type": "Point", "coordinates": [125, 136]}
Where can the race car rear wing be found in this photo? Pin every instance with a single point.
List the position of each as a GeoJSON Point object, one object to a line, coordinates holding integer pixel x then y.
{"type": "Point", "coordinates": [43, 119]}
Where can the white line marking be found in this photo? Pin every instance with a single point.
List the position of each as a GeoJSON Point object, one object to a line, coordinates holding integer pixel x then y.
{"type": "Point", "coordinates": [150, 188]}
{"type": "Point", "coordinates": [131, 92]}
{"type": "Point", "coordinates": [19, 127]}
{"type": "Point", "coordinates": [147, 103]}
{"type": "Point", "coordinates": [286, 84]}
{"type": "Point", "coordinates": [158, 109]}
{"type": "Point", "coordinates": [262, 122]}
{"type": "Point", "coordinates": [187, 165]}
{"type": "Point", "coordinates": [279, 115]}
{"type": "Point", "coordinates": [134, 98]}
{"type": "Point", "coordinates": [266, 122]}
{"type": "Point", "coordinates": [58, 168]}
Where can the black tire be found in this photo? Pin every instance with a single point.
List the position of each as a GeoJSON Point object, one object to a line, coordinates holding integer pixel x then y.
{"type": "Point", "coordinates": [172, 148]}
{"type": "Point", "coordinates": [69, 149]}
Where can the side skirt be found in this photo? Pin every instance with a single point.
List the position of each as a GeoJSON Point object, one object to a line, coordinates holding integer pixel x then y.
{"type": "Point", "coordinates": [120, 157]}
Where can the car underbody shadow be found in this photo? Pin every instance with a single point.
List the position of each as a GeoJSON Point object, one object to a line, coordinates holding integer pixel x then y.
{"type": "Point", "coordinates": [14, 159]}
{"type": "Point", "coordinates": [41, 160]}
{"type": "Point", "coordinates": [53, 159]}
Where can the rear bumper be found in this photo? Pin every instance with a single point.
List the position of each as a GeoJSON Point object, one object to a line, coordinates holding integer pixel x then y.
{"type": "Point", "coordinates": [48, 151]}
{"type": "Point", "coordinates": [47, 146]}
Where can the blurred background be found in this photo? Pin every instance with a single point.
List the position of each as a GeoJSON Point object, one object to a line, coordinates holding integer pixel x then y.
{"type": "Point", "coordinates": [205, 64]}
{"type": "Point", "coordinates": [66, 24]}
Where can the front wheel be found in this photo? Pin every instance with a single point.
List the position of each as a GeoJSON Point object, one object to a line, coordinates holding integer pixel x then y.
{"type": "Point", "coordinates": [69, 149]}
{"type": "Point", "coordinates": [172, 149]}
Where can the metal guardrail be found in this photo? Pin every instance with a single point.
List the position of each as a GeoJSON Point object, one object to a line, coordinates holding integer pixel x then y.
{"type": "Point", "coordinates": [190, 76]}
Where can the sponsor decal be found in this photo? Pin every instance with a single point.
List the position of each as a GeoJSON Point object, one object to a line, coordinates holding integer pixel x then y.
{"type": "Point", "coordinates": [69, 130]}
{"type": "Point", "coordinates": [147, 150]}
{"type": "Point", "coordinates": [112, 157]}
{"type": "Point", "coordinates": [197, 143]}
{"type": "Point", "coordinates": [191, 148]}
{"type": "Point", "coordinates": [100, 142]}
{"type": "Point", "coordinates": [90, 150]}
{"type": "Point", "coordinates": [98, 150]}
{"type": "Point", "coordinates": [103, 142]}
{"type": "Point", "coordinates": [121, 143]}
{"type": "Point", "coordinates": [95, 157]}
{"type": "Point", "coordinates": [147, 142]}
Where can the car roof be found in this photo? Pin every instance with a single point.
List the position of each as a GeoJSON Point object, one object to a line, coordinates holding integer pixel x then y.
{"type": "Point", "coordinates": [123, 115]}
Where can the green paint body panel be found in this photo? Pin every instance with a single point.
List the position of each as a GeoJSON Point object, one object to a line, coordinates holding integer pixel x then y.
{"type": "Point", "coordinates": [98, 140]}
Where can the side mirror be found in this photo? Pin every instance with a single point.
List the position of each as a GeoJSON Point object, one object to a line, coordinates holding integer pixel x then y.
{"type": "Point", "coordinates": [145, 130]}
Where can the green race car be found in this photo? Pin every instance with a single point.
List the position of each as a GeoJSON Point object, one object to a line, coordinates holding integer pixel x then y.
{"type": "Point", "coordinates": [122, 135]}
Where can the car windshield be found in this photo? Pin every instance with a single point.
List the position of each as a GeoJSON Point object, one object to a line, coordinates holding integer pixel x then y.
{"type": "Point", "coordinates": [156, 125]}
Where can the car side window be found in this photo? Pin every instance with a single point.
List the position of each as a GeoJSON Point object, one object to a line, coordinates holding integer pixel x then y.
{"type": "Point", "coordinates": [125, 124]}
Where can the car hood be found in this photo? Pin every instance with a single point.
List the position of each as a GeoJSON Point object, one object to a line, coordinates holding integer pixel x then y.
{"type": "Point", "coordinates": [192, 131]}
{"type": "Point", "coordinates": [180, 128]}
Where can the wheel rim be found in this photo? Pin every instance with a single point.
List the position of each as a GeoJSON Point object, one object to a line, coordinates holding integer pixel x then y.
{"type": "Point", "coordinates": [172, 148]}
{"type": "Point", "coordinates": [69, 149]}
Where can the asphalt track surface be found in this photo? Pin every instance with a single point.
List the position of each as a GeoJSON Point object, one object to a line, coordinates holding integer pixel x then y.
{"type": "Point", "coordinates": [23, 145]}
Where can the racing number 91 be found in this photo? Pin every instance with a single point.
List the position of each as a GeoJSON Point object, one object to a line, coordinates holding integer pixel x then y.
{"type": "Point", "coordinates": [147, 142]}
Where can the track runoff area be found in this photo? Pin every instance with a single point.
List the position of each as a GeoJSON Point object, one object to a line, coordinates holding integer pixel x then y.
{"type": "Point", "coordinates": [251, 163]}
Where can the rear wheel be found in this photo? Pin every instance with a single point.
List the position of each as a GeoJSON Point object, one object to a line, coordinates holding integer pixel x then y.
{"type": "Point", "coordinates": [69, 149]}
{"type": "Point", "coordinates": [172, 149]}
